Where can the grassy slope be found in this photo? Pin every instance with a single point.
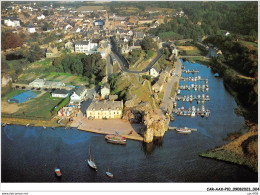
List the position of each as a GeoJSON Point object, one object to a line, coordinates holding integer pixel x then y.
{"type": "Point", "coordinates": [142, 64]}
{"type": "Point", "coordinates": [135, 88]}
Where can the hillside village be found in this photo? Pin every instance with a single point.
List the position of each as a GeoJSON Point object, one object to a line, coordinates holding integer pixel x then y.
{"type": "Point", "coordinates": [75, 56]}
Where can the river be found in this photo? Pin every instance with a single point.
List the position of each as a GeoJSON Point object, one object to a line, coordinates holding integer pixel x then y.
{"type": "Point", "coordinates": [30, 154]}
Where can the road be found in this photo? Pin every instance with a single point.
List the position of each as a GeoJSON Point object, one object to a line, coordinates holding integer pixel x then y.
{"type": "Point", "coordinates": [109, 66]}
{"type": "Point", "coordinates": [124, 65]}
{"type": "Point", "coordinates": [167, 102]}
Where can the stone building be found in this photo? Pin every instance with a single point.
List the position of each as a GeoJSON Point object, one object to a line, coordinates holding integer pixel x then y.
{"type": "Point", "coordinates": [105, 109]}
{"type": "Point", "coordinates": [52, 52]}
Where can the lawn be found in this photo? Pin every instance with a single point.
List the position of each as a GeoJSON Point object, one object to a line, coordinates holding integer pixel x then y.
{"type": "Point", "coordinates": [39, 107]}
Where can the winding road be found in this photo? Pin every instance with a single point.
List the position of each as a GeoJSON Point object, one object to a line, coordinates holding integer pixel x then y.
{"type": "Point", "coordinates": [124, 65]}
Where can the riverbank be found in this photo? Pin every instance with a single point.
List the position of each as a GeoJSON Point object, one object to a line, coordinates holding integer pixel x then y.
{"type": "Point", "coordinates": [81, 123]}
{"type": "Point", "coordinates": [243, 150]}
{"type": "Point", "coordinates": [37, 122]}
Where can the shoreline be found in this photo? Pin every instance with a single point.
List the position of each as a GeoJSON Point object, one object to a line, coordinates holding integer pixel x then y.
{"type": "Point", "coordinates": [241, 151]}
{"type": "Point", "coordinates": [53, 123]}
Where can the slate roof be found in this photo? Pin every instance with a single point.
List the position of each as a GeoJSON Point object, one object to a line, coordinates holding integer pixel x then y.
{"type": "Point", "coordinates": [80, 90]}
{"type": "Point", "coordinates": [61, 91]}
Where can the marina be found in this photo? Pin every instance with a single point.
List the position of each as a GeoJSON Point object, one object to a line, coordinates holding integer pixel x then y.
{"type": "Point", "coordinates": [191, 92]}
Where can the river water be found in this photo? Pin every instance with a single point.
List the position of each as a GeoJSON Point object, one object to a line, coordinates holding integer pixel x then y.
{"type": "Point", "coordinates": [30, 154]}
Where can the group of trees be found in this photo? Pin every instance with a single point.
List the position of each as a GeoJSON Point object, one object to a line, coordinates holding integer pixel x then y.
{"type": "Point", "coordinates": [243, 89]}
{"type": "Point", "coordinates": [208, 18]}
{"type": "Point", "coordinates": [11, 40]}
{"type": "Point", "coordinates": [148, 44]}
{"type": "Point", "coordinates": [235, 54]}
{"type": "Point", "coordinates": [91, 67]}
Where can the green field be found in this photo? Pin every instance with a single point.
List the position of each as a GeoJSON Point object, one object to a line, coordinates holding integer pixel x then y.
{"type": "Point", "coordinates": [39, 106]}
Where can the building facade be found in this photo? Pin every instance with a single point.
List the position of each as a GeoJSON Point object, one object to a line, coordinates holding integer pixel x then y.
{"type": "Point", "coordinates": [105, 109]}
{"type": "Point", "coordinates": [85, 46]}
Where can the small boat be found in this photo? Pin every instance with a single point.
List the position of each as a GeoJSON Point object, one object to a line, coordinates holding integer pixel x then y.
{"type": "Point", "coordinates": [202, 114]}
{"type": "Point", "coordinates": [171, 117]}
{"type": "Point", "coordinates": [27, 125]}
{"type": "Point", "coordinates": [108, 173]}
{"type": "Point", "coordinates": [58, 173]}
{"type": "Point", "coordinates": [4, 124]}
{"type": "Point", "coordinates": [91, 162]}
{"type": "Point", "coordinates": [183, 130]}
{"type": "Point", "coordinates": [115, 139]}
{"type": "Point", "coordinates": [193, 114]}
{"type": "Point", "coordinates": [44, 127]}
{"type": "Point", "coordinates": [53, 128]}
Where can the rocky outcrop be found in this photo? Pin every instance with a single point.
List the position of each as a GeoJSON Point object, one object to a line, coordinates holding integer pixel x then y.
{"type": "Point", "coordinates": [155, 126]}
{"type": "Point", "coordinates": [143, 113]}
{"type": "Point", "coordinates": [5, 80]}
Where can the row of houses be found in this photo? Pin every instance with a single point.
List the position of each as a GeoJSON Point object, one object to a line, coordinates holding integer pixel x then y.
{"type": "Point", "coordinates": [84, 46]}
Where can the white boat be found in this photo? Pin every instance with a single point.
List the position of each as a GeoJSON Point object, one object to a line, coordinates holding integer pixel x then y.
{"type": "Point", "coordinates": [91, 162]}
{"type": "Point", "coordinates": [193, 114]}
{"type": "Point", "coordinates": [183, 130]}
{"type": "Point", "coordinates": [27, 125]}
{"type": "Point", "coordinates": [108, 173]}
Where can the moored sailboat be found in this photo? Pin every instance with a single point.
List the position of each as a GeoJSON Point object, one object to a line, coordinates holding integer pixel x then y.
{"type": "Point", "coordinates": [108, 173]}
{"type": "Point", "coordinates": [91, 162]}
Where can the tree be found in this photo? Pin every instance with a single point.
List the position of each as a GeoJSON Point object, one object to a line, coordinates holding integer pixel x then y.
{"type": "Point", "coordinates": [148, 43]}
{"type": "Point", "coordinates": [10, 40]}
{"type": "Point", "coordinates": [35, 53]}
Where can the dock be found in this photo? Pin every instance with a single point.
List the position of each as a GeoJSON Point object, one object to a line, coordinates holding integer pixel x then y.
{"type": "Point", "coordinates": [184, 98]}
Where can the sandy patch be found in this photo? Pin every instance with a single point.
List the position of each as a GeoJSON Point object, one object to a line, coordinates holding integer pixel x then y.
{"type": "Point", "coordinates": [9, 108]}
